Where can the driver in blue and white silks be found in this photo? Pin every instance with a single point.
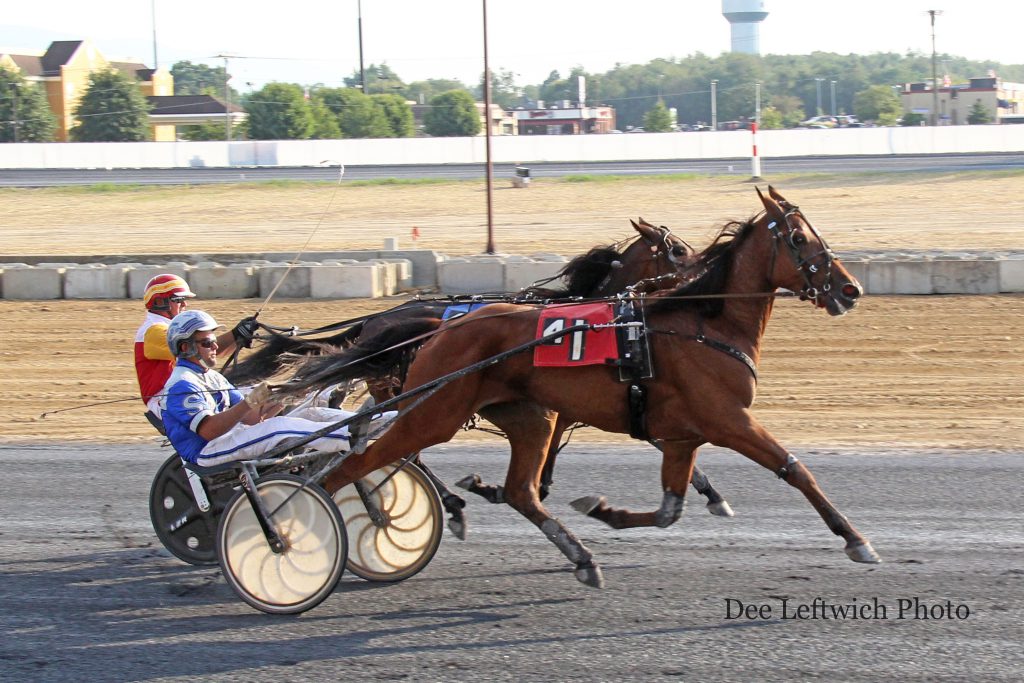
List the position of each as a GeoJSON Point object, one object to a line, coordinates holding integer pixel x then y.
{"type": "Point", "coordinates": [210, 422]}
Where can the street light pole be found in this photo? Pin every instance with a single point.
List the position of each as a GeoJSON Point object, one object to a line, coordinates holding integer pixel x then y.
{"type": "Point", "coordinates": [935, 74]}
{"type": "Point", "coordinates": [14, 105]}
{"type": "Point", "coordinates": [362, 71]}
{"type": "Point", "coordinates": [834, 112]}
{"type": "Point", "coordinates": [714, 105]}
{"type": "Point", "coordinates": [487, 137]}
{"type": "Point", "coordinates": [817, 87]}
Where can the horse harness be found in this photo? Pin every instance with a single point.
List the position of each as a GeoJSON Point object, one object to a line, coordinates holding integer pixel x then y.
{"type": "Point", "coordinates": [803, 265]}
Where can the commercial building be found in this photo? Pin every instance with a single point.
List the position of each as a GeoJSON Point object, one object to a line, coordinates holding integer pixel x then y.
{"type": "Point", "coordinates": [1000, 99]}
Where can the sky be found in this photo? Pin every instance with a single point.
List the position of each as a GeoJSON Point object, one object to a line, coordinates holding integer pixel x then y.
{"type": "Point", "coordinates": [317, 41]}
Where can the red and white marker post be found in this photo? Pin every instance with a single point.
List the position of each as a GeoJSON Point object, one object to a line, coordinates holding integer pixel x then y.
{"type": "Point", "coordinates": [755, 160]}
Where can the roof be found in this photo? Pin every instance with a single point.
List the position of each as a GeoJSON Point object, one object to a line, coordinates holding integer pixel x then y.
{"type": "Point", "coordinates": [57, 55]}
{"type": "Point", "coordinates": [30, 65]}
{"type": "Point", "coordinates": [175, 105]}
{"type": "Point", "coordinates": [134, 69]}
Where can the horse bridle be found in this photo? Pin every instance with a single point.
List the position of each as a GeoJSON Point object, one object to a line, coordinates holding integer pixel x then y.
{"type": "Point", "coordinates": [806, 268]}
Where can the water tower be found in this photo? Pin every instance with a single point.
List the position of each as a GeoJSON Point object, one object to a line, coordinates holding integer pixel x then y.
{"type": "Point", "coordinates": [744, 16]}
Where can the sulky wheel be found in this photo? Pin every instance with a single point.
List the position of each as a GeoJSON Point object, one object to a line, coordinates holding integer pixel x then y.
{"type": "Point", "coordinates": [185, 530]}
{"type": "Point", "coordinates": [309, 567]}
{"type": "Point", "coordinates": [409, 529]}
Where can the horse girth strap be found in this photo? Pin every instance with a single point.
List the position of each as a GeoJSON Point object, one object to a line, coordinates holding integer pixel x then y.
{"type": "Point", "coordinates": [726, 349]}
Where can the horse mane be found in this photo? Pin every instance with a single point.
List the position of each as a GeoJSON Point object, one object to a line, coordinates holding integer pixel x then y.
{"type": "Point", "coordinates": [268, 359]}
{"type": "Point", "coordinates": [582, 275]}
{"type": "Point", "coordinates": [713, 266]}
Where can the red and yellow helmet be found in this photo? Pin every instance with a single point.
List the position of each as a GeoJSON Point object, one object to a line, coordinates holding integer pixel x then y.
{"type": "Point", "coordinates": [162, 288]}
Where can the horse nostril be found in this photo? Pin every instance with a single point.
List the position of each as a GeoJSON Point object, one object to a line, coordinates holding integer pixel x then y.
{"type": "Point", "coordinates": [851, 291]}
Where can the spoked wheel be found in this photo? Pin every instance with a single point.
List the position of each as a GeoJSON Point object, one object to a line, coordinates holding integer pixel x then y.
{"type": "Point", "coordinates": [186, 531]}
{"type": "Point", "coordinates": [411, 526]}
{"type": "Point", "coordinates": [306, 572]}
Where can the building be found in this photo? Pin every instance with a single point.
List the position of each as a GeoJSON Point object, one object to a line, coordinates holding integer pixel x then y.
{"type": "Point", "coordinates": [64, 71]}
{"type": "Point", "coordinates": [999, 98]}
{"type": "Point", "coordinates": [565, 119]}
{"type": "Point", "coordinates": [502, 122]}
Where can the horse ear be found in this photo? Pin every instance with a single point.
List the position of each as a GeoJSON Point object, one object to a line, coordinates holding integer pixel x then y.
{"type": "Point", "coordinates": [769, 203]}
{"type": "Point", "coordinates": [775, 195]}
{"type": "Point", "coordinates": [646, 231]}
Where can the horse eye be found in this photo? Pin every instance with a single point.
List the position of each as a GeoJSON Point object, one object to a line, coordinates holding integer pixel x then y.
{"type": "Point", "coordinates": [799, 238]}
{"type": "Point", "coordinates": [678, 251]}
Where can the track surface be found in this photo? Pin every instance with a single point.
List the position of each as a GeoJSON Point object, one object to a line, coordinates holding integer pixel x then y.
{"type": "Point", "coordinates": [942, 163]}
{"type": "Point", "coordinates": [86, 594]}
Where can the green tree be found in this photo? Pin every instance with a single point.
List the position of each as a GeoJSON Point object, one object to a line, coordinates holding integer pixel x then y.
{"type": "Point", "coordinates": [380, 78]}
{"type": "Point", "coordinates": [771, 118]}
{"type": "Point", "coordinates": [452, 114]}
{"type": "Point", "coordinates": [357, 114]}
{"type": "Point", "coordinates": [397, 113]}
{"type": "Point", "coordinates": [422, 92]}
{"type": "Point", "coordinates": [279, 111]}
{"type": "Point", "coordinates": [24, 112]}
{"type": "Point", "coordinates": [913, 119]}
{"type": "Point", "coordinates": [204, 132]}
{"type": "Point", "coordinates": [325, 123]}
{"type": "Point", "coordinates": [877, 103]}
{"type": "Point", "coordinates": [112, 109]}
{"type": "Point", "coordinates": [504, 91]}
{"type": "Point", "coordinates": [201, 79]}
{"type": "Point", "coordinates": [658, 119]}
{"type": "Point", "coordinates": [979, 114]}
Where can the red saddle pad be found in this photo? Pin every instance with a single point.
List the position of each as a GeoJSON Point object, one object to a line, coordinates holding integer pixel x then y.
{"type": "Point", "coordinates": [582, 347]}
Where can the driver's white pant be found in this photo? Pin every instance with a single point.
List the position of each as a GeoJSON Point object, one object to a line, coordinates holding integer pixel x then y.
{"type": "Point", "coordinates": [245, 442]}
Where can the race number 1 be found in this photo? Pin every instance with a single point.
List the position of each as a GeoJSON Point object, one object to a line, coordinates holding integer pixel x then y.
{"type": "Point", "coordinates": [576, 346]}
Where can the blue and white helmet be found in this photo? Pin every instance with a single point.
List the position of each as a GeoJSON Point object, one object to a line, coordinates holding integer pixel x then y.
{"type": "Point", "coordinates": [184, 325]}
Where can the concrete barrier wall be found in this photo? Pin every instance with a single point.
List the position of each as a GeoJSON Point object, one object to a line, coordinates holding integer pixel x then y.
{"type": "Point", "coordinates": [517, 149]}
{"type": "Point", "coordinates": [348, 278]}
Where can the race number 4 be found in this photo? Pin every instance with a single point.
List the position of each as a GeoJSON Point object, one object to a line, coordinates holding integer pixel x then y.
{"type": "Point", "coordinates": [577, 338]}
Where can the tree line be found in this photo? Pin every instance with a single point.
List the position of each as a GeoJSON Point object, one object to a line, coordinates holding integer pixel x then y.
{"type": "Point", "coordinates": [791, 89]}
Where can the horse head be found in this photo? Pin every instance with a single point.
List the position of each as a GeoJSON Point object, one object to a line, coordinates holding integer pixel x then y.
{"type": "Point", "coordinates": [812, 269]}
{"type": "Point", "coordinates": [662, 242]}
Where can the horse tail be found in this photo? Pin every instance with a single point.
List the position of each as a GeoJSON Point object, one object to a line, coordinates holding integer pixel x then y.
{"type": "Point", "coordinates": [270, 358]}
{"type": "Point", "coordinates": [369, 357]}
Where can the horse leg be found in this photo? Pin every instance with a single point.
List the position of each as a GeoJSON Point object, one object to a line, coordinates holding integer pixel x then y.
{"type": "Point", "coordinates": [677, 462]}
{"type": "Point", "coordinates": [717, 505]}
{"type": "Point", "coordinates": [452, 502]}
{"type": "Point", "coordinates": [529, 428]}
{"type": "Point", "coordinates": [383, 389]}
{"type": "Point", "coordinates": [749, 438]}
{"type": "Point", "coordinates": [496, 494]}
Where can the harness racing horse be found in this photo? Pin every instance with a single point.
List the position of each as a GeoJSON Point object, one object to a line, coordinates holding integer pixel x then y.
{"type": "Point", "coordinates": [700, 333]}
{"type": "Point", "coordinates": [380, 348]}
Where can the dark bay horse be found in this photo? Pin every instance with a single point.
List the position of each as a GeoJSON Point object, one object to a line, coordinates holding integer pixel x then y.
{"type": "Point", "coordinates": [600, 272]}
{"type": "Point", "coordinates": [701, 333]}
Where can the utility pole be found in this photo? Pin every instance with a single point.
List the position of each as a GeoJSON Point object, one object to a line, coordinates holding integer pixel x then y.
{"type": "Point", "coordinates": [817, 86]}
{"type": "Point", "coordinates": [757, 102]}
{"type": "Point", "coordinates": [14, 104]}
{"type": "Point", "coordinates": [935, 74]}
{"type": "Point", "coordinates": [227, 97]}
{"type": "Point", "coordinates": [714, 105]}
{"type": "Point", "coordinates": [362, 71]}
{"type": "Point", "coordinates": [156, 63]}
{"type": "Point", "coordinates": [834, 112]}
{"type": "Point", "coordinates": [487, 136]}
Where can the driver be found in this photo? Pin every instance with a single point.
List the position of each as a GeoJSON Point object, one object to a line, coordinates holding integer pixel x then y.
{"type": "Point", "coordinates": [166, 296]}
{"type": "Point", "coordinates": [209, 422]}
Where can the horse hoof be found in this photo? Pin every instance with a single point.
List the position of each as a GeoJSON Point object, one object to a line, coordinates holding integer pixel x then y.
{"type": "Point", "coordinates": [458, 527]}
{"type": "Point", "coordinates": [590, 574]}
{"type": "Point", "coordinates": [721, 509]}
{"type": "Point", "coordinates": [863, 553]}
{"type": "Point", "coordinates": [468, 482]}
{"type": "Point", "coordinates": [587, 504]}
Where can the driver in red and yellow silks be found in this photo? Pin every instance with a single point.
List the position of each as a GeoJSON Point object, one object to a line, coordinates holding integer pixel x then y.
{"type": "Point", "coordinates": [166, 296]}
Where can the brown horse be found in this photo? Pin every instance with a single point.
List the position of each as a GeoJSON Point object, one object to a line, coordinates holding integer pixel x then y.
{"type": "Point", "coordinates": [702, 392]}
{"type": "Point", "coordinates": [362, 350]}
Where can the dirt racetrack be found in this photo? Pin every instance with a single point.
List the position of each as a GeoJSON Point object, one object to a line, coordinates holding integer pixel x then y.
{"type": "Point", "coordinates": [912, 371]}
